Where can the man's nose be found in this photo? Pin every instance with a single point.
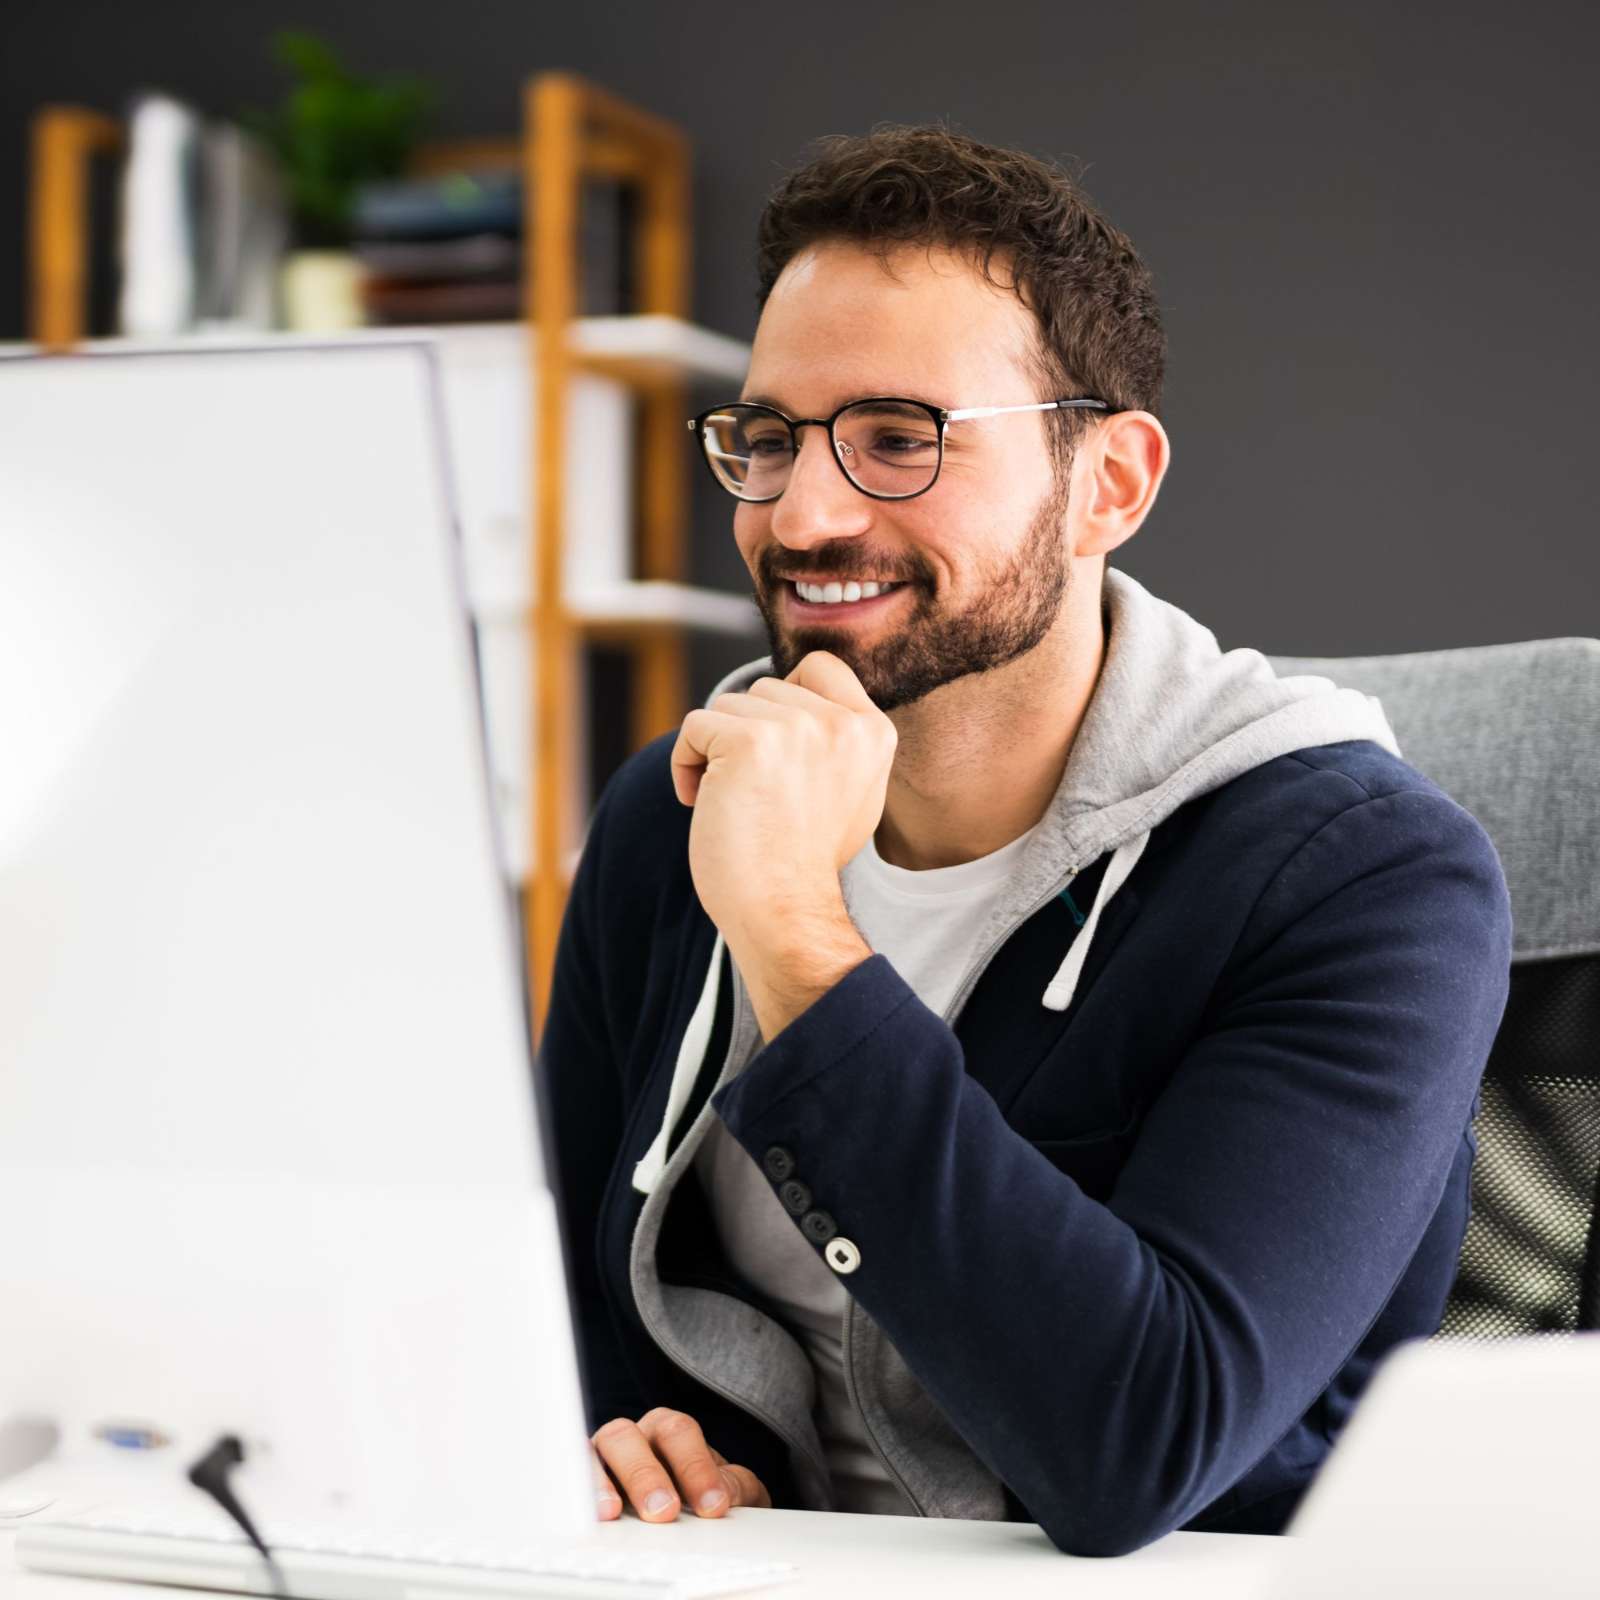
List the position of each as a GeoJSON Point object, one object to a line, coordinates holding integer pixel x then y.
{"type": "Point", "coordinates": [818, 503]}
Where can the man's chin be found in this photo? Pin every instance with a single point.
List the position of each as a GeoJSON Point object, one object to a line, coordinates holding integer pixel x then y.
{"type": "Point", "coordinates": [885, 688]}
{"type": "Point", "coordinates": [791, 649]}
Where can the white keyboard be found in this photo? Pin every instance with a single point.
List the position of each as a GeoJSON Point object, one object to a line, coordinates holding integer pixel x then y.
{"type": "Point", "coordinates": [316, 1566]}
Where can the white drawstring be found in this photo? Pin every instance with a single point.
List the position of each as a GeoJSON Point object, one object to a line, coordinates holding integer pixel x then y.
{"type": "Point", "coordinates": [1058, 995]}
{"type": "Point", "coordinates": [697, 1036]}
{"type": "Point", "coordinates": [647, 1172]}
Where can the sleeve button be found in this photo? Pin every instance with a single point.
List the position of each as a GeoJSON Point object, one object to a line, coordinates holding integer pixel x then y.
{"type": "Point", "coordinates": [842, 1256]}
{"type": "Point", "coordinates": [779, 1163]}
{"type": "Point", "coordinates": [795, 1196]}
{"type": "Point", "coordinates": [818, 1226]}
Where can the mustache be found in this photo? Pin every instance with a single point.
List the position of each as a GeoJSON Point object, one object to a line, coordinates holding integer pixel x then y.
{"type": "Point", "coordinates": [846, 562]}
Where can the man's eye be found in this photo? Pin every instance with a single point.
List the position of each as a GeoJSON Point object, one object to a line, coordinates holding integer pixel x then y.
{"type": "Point", "coordinates": [770, 444]}
{"type": "Point", "coordinates": [901, 444]}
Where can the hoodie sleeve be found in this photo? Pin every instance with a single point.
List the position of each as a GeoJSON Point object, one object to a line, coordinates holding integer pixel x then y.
{"type": "Point", "coordinates": [1121, 1364]}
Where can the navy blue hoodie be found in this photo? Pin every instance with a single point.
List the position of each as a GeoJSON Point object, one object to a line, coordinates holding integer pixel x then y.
{"type": "Point", "coordinates": [1136, 1217]}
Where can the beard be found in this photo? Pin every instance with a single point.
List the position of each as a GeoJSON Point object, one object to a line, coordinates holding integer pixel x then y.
{"type": "Point", "coordinates": [933, 645]}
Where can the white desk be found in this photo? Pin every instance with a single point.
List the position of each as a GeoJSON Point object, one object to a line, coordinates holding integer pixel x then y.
{"type": "Point", "coordinates": [841, 1557]}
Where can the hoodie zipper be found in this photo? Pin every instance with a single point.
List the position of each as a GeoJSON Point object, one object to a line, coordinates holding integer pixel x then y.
{"type": "Point", "coordinates": [851, 1388]}
{"type": "Point", "coordinates": [855, 1400]}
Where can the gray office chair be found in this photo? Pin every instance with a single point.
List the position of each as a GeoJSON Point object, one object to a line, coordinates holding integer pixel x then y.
{"type": "Point", "coordinates": [1512, 732]}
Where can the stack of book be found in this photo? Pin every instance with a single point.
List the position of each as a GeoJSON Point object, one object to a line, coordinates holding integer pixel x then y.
{"type": "Point", "coordinates": [443, 249]}
{"type": "Point", "coordinates": [449, 248]}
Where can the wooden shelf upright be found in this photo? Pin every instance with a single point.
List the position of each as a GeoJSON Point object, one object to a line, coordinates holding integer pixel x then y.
{"type": "Point", "coordinates": [572, 133]}
{"type": "Point", "coordinates": [64, 140]}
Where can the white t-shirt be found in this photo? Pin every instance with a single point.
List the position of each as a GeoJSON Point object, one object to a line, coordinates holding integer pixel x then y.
{"type": "Point", "coordinates": [927, 924]}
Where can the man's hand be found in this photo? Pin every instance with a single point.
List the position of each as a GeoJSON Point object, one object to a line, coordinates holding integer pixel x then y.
{"type": "Point", "coordinates": [662, 1462]}
{"type": "Point", "coordinates": [787, 783]}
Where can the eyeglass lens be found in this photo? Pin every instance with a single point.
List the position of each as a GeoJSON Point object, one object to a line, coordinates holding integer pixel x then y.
{"type": "Point", "coordinates": [886, 447]}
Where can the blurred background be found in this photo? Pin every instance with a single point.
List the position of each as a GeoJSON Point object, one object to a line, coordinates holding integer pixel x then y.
{"type": "Point", "coordinates": [1372, 228]}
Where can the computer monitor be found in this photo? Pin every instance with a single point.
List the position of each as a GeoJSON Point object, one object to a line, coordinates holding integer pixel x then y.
{"type": "Point", "coordinates": [1467, 1471]}
{"type": "Point", "coordinates": [269, 1156]}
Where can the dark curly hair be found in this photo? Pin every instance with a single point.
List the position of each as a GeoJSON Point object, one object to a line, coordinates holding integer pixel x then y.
{"type": "Point", "coordinates": [1099, 323]}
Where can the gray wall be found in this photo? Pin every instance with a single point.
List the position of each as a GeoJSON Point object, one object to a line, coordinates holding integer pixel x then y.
{"type": "Point", "coordinates": [1373, 227]}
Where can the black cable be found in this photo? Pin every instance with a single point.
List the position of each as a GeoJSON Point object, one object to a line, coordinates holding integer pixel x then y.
{"type": "Point", "coordinates": [210, 1473]}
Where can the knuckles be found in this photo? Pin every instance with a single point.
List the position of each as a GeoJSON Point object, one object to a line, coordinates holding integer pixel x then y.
{"type": "Point", "coordinates": [675, 1425]}
{"type": "Point", "coordinates": [829, 724]}
{"type": "Point", "coordinates": [661, 1419]}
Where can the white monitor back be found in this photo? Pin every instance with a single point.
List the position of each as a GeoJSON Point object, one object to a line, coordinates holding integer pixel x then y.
{"type": "Point", "coordinates": [268, 1152]}
{"type": "Point", "coordinates": [1467, 1471]}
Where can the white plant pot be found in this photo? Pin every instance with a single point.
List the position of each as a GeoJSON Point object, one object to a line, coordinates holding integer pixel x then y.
{"type": "Point", "coordinates": [321, 291]}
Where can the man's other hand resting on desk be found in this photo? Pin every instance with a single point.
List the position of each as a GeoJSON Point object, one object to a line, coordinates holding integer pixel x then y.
{"type": "Point", "coordinates": [663, 1463]}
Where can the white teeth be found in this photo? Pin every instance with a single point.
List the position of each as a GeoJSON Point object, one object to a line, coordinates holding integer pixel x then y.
{"type": "Point", "coordinates": [835, 593]}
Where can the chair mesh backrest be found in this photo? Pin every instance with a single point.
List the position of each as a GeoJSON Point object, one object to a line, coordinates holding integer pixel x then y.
{"type": "Point", "coordinates": [1531, 1259]}
{"type": "Point", "coordinates": [1512, 732]}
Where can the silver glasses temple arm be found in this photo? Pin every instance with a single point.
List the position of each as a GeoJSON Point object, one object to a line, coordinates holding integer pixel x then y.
{"type": "Point", "coordinates": [999, 411]}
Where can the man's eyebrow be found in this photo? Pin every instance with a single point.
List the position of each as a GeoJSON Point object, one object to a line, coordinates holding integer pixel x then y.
{"type": "Point", "coordinates": [768, 400]}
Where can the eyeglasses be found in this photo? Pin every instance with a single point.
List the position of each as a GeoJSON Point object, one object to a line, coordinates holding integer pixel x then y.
{"type": "Point", "coordinates": [887, 447]}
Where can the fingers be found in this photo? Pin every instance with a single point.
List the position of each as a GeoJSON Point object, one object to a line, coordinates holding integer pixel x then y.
{"type": "Point", "coordinates": [771, 698]}
{"type": "Point", "coordinates": [824, 673]}
{"type": "Point", "coordinates": [689, 756]}
{"type": "Point", "coordinates": [785, 692]}
{"type": "Point", "coordinates": [679, 1442]}
{"type": "Point", "coordinates": [706, 735]}
{"type": "Point", "coordinates": [607, 1502]}
{"type": "Point", "coordinates": [635, 1469]}
{"type": "Point", "coordinates": [662, 1463]}
{"type": "Point", "coordinates": [748, 1489]}
{"type": "Point", "coordinates": [821, 683]}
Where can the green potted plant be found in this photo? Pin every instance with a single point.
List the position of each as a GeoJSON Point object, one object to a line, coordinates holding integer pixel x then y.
{"type": "Point", "coordinates": [333, 132]}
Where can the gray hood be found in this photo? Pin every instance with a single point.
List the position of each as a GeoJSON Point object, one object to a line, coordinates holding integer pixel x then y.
{"type": "Point", "coordinates": [1173, 716]}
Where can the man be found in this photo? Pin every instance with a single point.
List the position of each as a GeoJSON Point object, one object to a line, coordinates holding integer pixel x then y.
{"type": "Point", "coordinates": [1008, 1057]}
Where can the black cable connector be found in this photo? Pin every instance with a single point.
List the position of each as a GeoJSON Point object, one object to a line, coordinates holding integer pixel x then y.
{"type": "Point", "coordinates": [210, 1474]}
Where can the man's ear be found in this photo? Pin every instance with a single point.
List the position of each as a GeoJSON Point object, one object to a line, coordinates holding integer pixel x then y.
{"type": "Point", "coordinates": [1122, 463]}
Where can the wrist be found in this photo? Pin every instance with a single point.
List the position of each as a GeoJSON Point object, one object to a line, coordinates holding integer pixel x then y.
{"type": "Point", "coordinates": [794, 955]}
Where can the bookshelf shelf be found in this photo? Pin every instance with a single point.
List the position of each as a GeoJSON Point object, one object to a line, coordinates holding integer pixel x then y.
{"type": "Point", "coordinates": [641, 349]}
{"type": "Point", "coordinates": [657, 603]}
{"type": "Point", "coordinates": [654, 349]}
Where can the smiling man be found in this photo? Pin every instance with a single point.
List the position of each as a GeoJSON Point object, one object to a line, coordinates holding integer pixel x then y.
{"type": "Point", "coordinates": [1008, 1057]}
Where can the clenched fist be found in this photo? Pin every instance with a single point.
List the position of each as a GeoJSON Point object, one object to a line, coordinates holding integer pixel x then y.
{"type": "Point", "coordinates": [787, 782]}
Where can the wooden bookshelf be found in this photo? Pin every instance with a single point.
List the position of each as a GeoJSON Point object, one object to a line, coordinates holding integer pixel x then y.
{"type": "Point", "coordinates": [573, 133]}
